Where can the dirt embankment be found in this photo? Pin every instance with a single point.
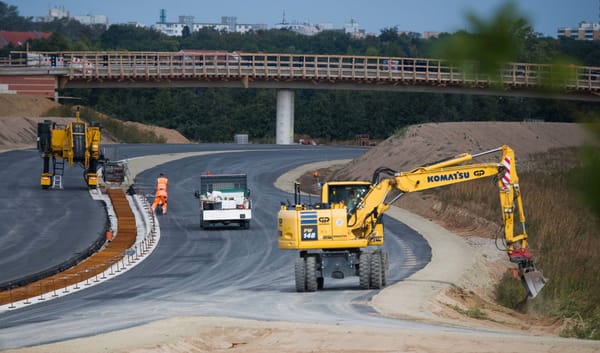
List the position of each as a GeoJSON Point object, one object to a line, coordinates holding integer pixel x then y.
{"type": "Point", "coordinates": [19, 116]}
{"type": "Point", "coordinates": [426, 143]}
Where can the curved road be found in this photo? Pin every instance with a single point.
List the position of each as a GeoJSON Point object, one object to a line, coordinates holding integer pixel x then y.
{"type": "Point", "coordinates": [40, 229]}
{"type": "Point", "coordinates": [222, 272]}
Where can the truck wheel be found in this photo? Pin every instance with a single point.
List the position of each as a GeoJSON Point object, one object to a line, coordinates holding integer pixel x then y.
{"type": "Point", "coordinates": [364, 270]}
{"type": "Point", "coordinates": [376, 271]}
{"type": "Point", "coordinates": [245, 224]}
{"type": "Point", "coordinates": [300, 274]}
{"type": "Point", "coordinates": [311, 274]}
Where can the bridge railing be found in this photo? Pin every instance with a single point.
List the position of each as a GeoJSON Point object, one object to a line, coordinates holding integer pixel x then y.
{"type": "Point", "coordinates": [194, 64]}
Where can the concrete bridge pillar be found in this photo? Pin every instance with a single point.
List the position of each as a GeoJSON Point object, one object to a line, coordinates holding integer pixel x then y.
{"type": "Point", "coordinates": [284, 134]}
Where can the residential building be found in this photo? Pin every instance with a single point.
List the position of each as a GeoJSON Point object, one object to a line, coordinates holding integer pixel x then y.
{"type": "Point", "coordinates": [430, 34]}
{"type": "Point", "coordinates": [353, 28]}
{"type": "Point", "coordinates": [585, 31]}
{"type": "Point", "coordinates": [227, 24]}
{"type": "Point", "coordinates": [58, 13]}
{"type": "Point", "coordinates": [90, 20]}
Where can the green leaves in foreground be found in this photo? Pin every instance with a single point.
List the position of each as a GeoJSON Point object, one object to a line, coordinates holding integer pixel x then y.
{"type": "Point", "coordinates": [587, 177]}
{"type": "Point", "coordinates": [484, 50]}
{"type": "Point", "coordinates": [490, 44]}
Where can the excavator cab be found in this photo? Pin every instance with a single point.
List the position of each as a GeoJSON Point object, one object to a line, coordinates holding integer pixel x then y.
{"type": "Point", "coordinates": [346, 194]}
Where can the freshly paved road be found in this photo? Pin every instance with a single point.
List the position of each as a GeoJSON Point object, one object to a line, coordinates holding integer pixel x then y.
{"type": "Point", "coordinates": [40, 228]}
{"type": "Point", "coordinates": [223, 272]}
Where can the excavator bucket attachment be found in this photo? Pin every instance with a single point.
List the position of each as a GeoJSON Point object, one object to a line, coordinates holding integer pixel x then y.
{"type": "Point", "coordinates": [533, 281]}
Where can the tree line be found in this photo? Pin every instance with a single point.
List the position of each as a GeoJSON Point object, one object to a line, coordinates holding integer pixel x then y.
{"type": "Point", "coordinates": [215, 115]}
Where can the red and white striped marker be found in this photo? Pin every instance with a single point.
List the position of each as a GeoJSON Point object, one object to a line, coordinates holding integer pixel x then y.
{"type": "Point", "coordinates": [506, 176]}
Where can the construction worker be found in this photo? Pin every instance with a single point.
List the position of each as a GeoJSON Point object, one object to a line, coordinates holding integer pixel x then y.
{"type": "Point", "coordinates": [161, 195]}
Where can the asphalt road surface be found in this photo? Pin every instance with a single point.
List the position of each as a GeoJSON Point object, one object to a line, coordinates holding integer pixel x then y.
{"type": "Point", "coordinates": [40, 229]}
{"type": "Point", "coordinates": [227, 271]}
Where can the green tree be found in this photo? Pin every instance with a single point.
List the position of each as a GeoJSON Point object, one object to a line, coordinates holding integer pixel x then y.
{"type": "Point", "coordinates": [10, 20]}
{"type": "Point", "coordinates": [132, 38]}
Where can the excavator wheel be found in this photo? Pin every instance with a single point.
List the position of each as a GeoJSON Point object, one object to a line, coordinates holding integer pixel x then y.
{"type": "Point", "coordinates": [376, 270]}
{"type": "Point", "coordinates": [311, 274]}
{"type": "Point", "coordinates": [364, 270]}
{"type": "Point", "coordinates": [300, 274]}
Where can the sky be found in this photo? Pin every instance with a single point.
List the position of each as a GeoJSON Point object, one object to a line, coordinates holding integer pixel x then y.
{"type": "Point", "coordinates": [407, 15]}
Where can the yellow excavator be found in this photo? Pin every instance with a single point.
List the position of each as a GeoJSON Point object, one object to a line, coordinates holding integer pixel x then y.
{"type": "Point", "coordinates": [77, 142]}
{"type": "Point", "coordinates": [333, 234]}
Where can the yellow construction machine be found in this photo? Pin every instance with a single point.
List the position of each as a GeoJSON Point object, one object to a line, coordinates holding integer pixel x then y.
{"type": "Point", "coordinates": [333, 234]}
{"type": "Point", "coordinates": [77, 142]}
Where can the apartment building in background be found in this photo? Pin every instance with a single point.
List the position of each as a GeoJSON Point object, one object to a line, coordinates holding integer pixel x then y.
{"type": "Point", "coordinates": [585, 31]}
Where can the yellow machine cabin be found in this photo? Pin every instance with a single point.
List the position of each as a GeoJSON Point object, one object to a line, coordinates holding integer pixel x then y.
{"type": "Point", "coordinates": [325, 224]}
{"type": "Point", "coordinates": [78, 142]}
{"type": "Point", "coordinates": [333, 234]}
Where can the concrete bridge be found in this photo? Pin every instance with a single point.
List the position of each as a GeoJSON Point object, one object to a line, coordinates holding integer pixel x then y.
{"type": "Point", "coordinates": [43, 73]}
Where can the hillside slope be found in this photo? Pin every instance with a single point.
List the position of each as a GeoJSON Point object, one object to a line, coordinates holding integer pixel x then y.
{"type": "Point", "coordinates": [426, 143]}
{"type": "Point", "coordinates": [19, 116]}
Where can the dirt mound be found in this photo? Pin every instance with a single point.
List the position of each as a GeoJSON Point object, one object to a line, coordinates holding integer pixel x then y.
{"type": "Point", "coordinates": [170, 135]}
{"type": "Point", "coordinates": [426, 143]}
{"type": "Point", "coordinates": [19, 116]}
{"type": "Point", "coordinates": [12, 105]}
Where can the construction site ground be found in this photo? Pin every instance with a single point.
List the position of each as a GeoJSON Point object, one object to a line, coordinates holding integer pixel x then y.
{"type": "Point", "coordinates": [460, 277]}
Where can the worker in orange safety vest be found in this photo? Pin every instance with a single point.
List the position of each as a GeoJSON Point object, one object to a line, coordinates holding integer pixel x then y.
{"type": "Point", "coordinates": [161, 195]}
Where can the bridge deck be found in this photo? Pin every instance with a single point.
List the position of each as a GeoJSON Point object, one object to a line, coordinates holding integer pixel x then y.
{"type": "Point", "coordinates": [96, 68]}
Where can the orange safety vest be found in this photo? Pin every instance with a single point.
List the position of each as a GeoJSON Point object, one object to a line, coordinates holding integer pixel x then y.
{"type": "Point", "coordinates": [161, 185]}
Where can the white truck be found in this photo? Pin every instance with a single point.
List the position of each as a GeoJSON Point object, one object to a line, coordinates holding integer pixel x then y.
{"type": "Point", "coordinates": [224, 199]}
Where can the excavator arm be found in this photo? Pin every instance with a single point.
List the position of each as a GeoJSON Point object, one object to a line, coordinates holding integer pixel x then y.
{"type": "Point", "coordinates": [386, 189]}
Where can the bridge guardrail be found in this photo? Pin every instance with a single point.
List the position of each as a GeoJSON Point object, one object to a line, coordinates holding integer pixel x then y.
{"type": "Point", "coordinates": [270, 66]}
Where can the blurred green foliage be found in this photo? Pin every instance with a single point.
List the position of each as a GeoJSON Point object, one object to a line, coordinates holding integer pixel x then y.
{"type": "Point", "coordinates": [487, 45]}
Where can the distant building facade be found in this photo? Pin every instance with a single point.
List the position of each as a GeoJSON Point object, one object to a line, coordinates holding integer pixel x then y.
{"type": "Point", "coordinates": [304, 28]}
{"type": "Point", "coordinates": [58, 13]}
{"type": "Point", "coordinates": [353, 28]}
{"type": "Point", "coordinates": [585, 31]}
{"type": "Point", "coordinates": [430, 34]}
{"type": "Point", "coordinates": [90, 20]}
{"type": "Point", "coordinates": [309, 29]}
{"type": "Point", "coordinates": [227, 24]}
